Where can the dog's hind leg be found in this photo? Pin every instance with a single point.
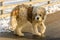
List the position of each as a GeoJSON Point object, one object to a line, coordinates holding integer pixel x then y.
{"type": "Point", "coordinates": [18, 31]}
{"type": "Point", "coordinates": [19, 28]}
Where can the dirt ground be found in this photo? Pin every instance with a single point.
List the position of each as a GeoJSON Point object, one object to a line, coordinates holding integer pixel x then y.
{"type": "Point", "coordinates": [52, 32]}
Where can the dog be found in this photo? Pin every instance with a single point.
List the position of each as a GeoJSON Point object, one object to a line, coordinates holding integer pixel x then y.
{"type": "Point", "coordinates": [22, 14]}
{"type": "Point", "coordinates": [38, 19]}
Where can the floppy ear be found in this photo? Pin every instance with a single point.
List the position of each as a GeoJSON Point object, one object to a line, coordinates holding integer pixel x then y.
{"type": "Point", "coordinates": [43, 13]}
{"type": "Point", "coordinates": [29, 13]}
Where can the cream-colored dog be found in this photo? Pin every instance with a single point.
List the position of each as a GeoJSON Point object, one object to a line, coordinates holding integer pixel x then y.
{"type": "Point", "coordinates": [21, 14]}
{"type": "Point", "coordinates": [38, 18]}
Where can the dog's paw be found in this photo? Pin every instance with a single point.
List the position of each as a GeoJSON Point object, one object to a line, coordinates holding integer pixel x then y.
{"type": "Point", "coordinates": [21, 34]}
{"type": "Point", "coordinates": [43, 35]}
{"type": "Point", "coordinates": [37, 35]}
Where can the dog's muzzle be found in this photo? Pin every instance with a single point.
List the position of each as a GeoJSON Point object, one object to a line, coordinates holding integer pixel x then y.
{"type": "Point", "coordinates": [37, 18]}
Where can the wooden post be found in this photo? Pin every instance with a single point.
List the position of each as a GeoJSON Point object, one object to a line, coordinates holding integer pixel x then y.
{"type": "Point", "coordinates": [30, 0]}
{"type": "Point", "coordinates": [1, 4]}
{"type": "Point", "coordinates": [48, 2]}
{"type": "Point", "coordinates": [48, 6]}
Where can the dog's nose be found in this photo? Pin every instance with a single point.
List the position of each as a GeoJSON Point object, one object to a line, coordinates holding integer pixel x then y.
{"type": "Point", "coordinates": [37, 18]}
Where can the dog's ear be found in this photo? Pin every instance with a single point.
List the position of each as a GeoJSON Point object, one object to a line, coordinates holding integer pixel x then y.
{"type": "Point", "coordinates": [43, 12]}
{"type": "Point", "coordinates": [29, 13]}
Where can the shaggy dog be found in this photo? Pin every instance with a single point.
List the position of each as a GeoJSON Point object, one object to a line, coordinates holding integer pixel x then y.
{"type": "Point", "coordinates": [38, 18]}
{"type": "Point", "coordinates": [21, 14]}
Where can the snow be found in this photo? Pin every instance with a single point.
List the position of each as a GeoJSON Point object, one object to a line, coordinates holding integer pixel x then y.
{"type": "Point", "coordinates": [52, 9]}
{"type": "Point", "coordinates": [4, 24]}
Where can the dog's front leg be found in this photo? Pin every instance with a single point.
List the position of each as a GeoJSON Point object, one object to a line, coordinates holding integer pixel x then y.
{"type": "Point", "coordinates": [35, 29]}
{"type": "Point", "coordinates": [42, 29]}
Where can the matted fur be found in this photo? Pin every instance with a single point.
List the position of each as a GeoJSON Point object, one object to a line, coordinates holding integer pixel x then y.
{"type": "Point", "coordinates": [21, 14]}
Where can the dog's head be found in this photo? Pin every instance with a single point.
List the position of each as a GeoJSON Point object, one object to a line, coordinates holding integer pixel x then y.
{"type": "Point", "coordinates": [39, 13]}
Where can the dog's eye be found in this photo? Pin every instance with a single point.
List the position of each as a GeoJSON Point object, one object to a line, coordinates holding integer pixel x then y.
{"type": "Point", "coordinates": [40, 15]}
